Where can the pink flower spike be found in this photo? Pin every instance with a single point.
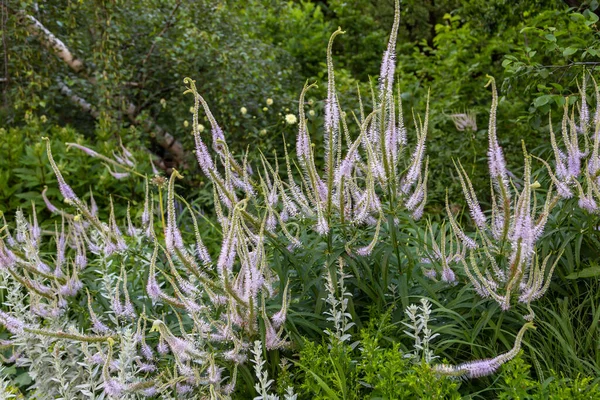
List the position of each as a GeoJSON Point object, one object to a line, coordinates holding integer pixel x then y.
{"type": "Point", "coordinates": [86, 150]}
{"type": "Point", "coordinates": [51, 207]}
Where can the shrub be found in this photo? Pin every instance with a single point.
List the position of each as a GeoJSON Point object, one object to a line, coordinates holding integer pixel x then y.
{"type": "Point", "coordinates": [306, 248]}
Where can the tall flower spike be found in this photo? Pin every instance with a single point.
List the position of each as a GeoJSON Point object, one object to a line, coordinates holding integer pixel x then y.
{"type": "Point", "coordinates": [61, 246]}
{"type": "Point", "coordinates": [389, 145]}
{"type": "Point", "coordinates": [112, 387]}
{"type": "Point", "coordinates": [128, 309]}
{"type": "Point", "coordinates": [470, 243]}
{"type": "Point", "coordinates": [97, 325]}
{"type": "Point", "coordinates": [86, 150]}
{"type": "Point", "coordinates": [559, 156]}
{"type": "Point", "coordinates": [388, 64]}
{"type": "Point", "coordinates": [217, 132]}
{"type": "Point", "coordinates": [367, 250]}
{"type": "Point", "coordinates": [204, 159]}
{"type": "Point", "coordinates": [303, 143]}
{"type": "Point", "coordinates": [230, 240]}
{"type": "Point", "coordinates": [65, 189]}
{"type": "Point", "coordinates": [480, 368]}
{"type": "Point", "coordinates": [219, 144]}
{"type": "Point", "coordinates": [448, 275]}
{"type": "Point", "coordinates": [416, 202]}
{"type": "Point", "coordinates": [496, 161]}
{"type": "Point", "coordinates": [574, 154]}
{"type": "Point", "coordinates": [332, 111]}
{"type": "Point", "coordinates": [584, 111]}
{"type": "Point", "coordinates": [35, 230]}
{"type": "Point", "coordinates": [201, 250]}
{"type": "Point", "coordinates": [414, 171]}
{"type": "Point", "coordinates": [117, 175]}
{"type": "Point", "coordinates": [80, 255]}
{"type": "Point", "coordinates": [115, 232]}
{"type": "Point", "coordinates": [173, 237]}
{"type": "Point", "coordinates": [152, 287]}
{"type": "Point", "coordinates": [93, 205]}
{"type": "Point", "coordinates": [51, 207]}
{"type": "Point", "coordinates": [469, 193]}
{"type": "Point", "coordinates": [149, 232]}
{"type": "Point", "coordinates": [146, 212]}
{"type": "Point", "coordinates": [126, 153]}
{"type": "Point", "coordinates": [131, 231]}
{"type": "Point", "coordinates": [280, 316]}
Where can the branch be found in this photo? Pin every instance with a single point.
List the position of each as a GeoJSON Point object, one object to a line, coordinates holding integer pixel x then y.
{"type": "Point", "coordinates": [50, 41]}
{"type": "Point", "coordinates": [163, 138]}
{"type": "Point", "coordinates": [573, 64]}
{"type": "Point", "coordinates": [79, 101]}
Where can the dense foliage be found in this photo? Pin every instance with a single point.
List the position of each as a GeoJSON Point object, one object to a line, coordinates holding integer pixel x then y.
{"type": "Point", "coordinates": [403, 229]}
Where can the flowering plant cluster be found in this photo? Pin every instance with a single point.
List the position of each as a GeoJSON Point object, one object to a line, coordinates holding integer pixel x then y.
{"type": "Point", "coordinates": [176, 319]}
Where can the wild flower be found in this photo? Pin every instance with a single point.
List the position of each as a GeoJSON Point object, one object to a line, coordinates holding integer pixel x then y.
{"type": "Point", "coordinates": [479, 368]}
{"type": "Point", "coordinates": [512, 229]}
{"type": "Point", "coordinates": [207, 311]}
{"type": "Point", "coordinates": [465, 121]}
{"type": "Point", "coordinates": [576, 169]}
{"type": "Point", "coordinates": [447, 254]}
{"type": "Point", "coordinates": [290, 119]}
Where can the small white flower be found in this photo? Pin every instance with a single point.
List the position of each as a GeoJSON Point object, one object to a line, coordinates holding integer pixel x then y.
{"type": "Point", "coordinates": [243, 110]}
{"type": "Point", "coordinates": [186, 124]}
{"type": "Point", "coordinates": [269, 101]}
{"type": "Point", "coordinates": [311, 113]}
{"type": "Point", "coordinates": [200, 128]}
{"type": "Point", "coordinates": [290, 119]}
{"type": "Point", "coordinates": [263, 132]}
{"type": "Point", "coordinates": [465, 121]}
{"type": "Point", "coordinates": [265, 108]}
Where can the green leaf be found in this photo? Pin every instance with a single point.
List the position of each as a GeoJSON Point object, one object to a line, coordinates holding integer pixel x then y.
{"type": "Point", "coordinates": [23, 379]}
{"type": "Point", "coordinates": [569, 51]}
{"type": "Point", "coordinates": [577, 17]}
{"type": "Point", "coordinates": [559, 100]}
{"type": "Point", "coordinates": [592, 18]}
{"type": "Point", "coordinates": [557, 86]}
{"type": "Point", "coordinates": [550, 37]}
{"type": "Point", "coordinates": [542, 100]}
{"type": "Point", "coordinates": [585, 273]}
{"type": "Point", "coordinates": [593, 52]}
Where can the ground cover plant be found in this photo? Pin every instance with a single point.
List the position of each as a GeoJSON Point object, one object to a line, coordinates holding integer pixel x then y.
{"type": "Point", "coordinates": [318, 273]}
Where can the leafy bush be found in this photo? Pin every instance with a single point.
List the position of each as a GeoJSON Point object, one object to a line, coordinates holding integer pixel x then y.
{"type": "Point", "coordinates": [25, 171]}
{"type": "Point", "coordinates": [313, 248]}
